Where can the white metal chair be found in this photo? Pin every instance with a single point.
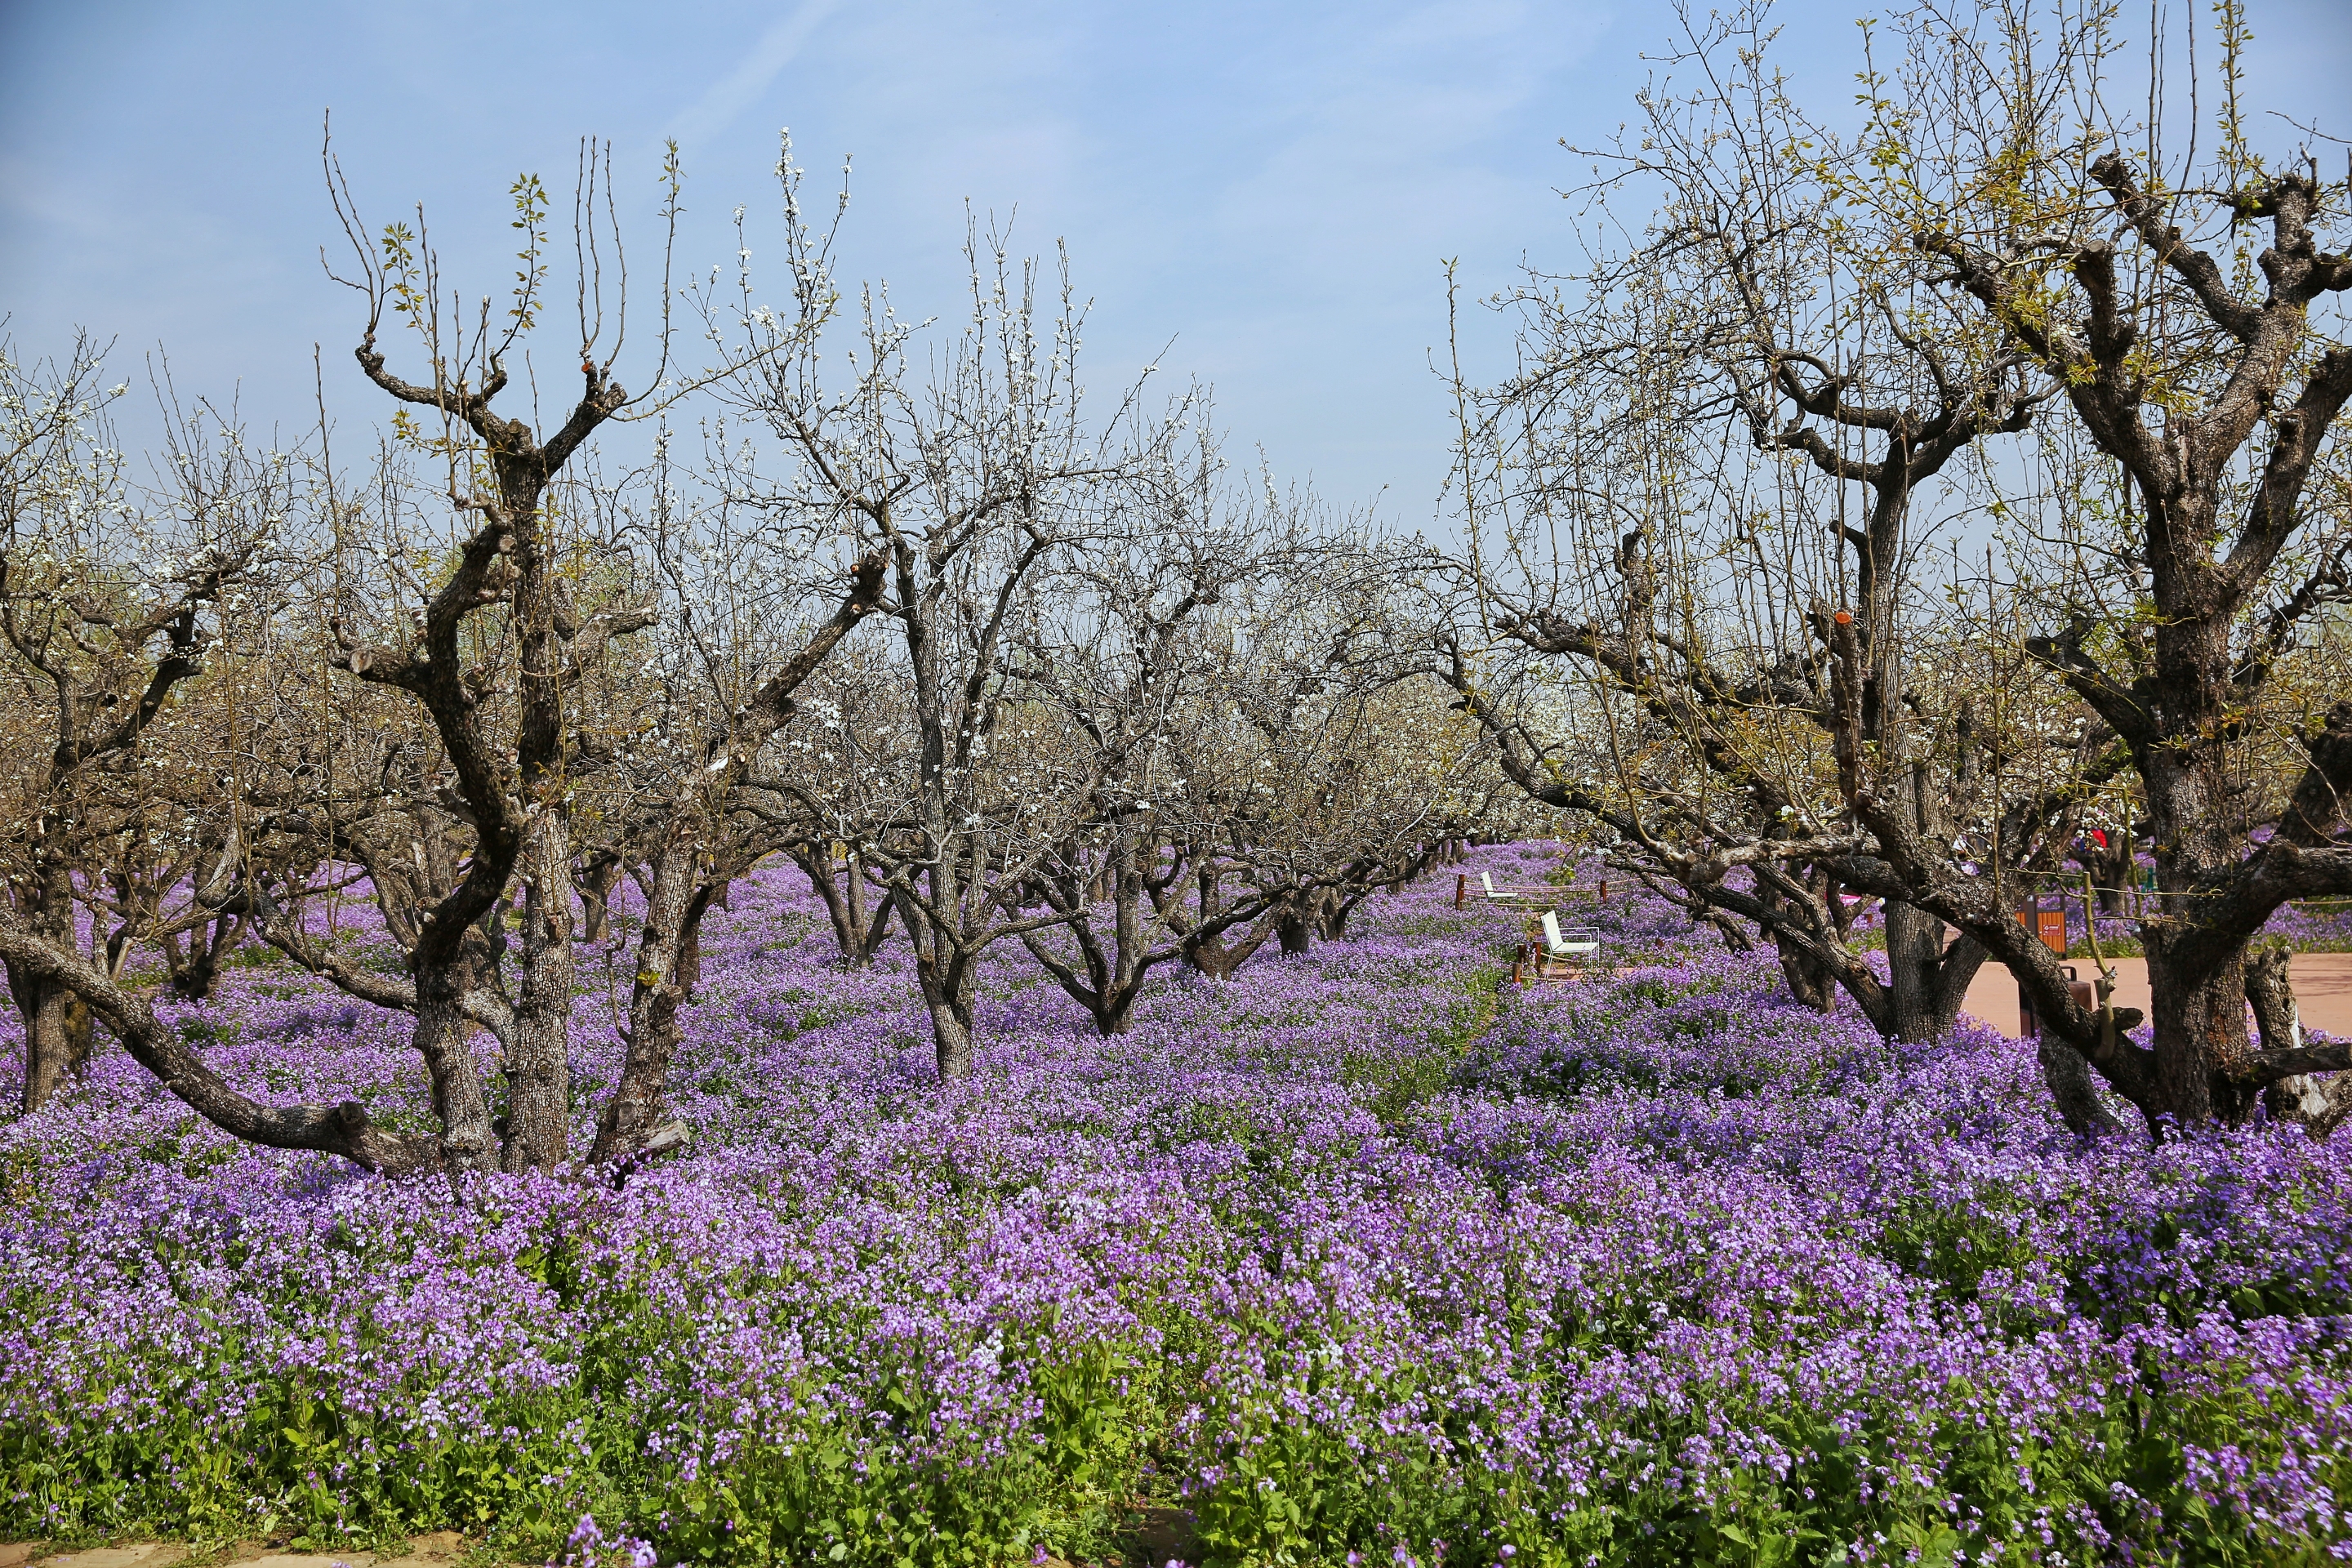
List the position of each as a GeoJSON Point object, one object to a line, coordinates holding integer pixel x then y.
{"type": "Point", "coordinates": [1571, 952]}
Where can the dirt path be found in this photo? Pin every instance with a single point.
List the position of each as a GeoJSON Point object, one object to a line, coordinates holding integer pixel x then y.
{"type": "Point", "coordinates": [441, 1550]}
{"type": "Point", "coordinates": [2323, 988]}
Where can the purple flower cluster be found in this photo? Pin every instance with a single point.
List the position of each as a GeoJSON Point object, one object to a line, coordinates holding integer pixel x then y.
{"type": "Point", "coordinates": [1364, 1256]}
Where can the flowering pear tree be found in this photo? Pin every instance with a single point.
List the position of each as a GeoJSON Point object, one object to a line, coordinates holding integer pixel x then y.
{"type": "Point", "coordinates": [1121, 650]}
{"type": "Point", "coordinates": [975, 485]}
{"type": "Point", "coordinates": [110, 605]}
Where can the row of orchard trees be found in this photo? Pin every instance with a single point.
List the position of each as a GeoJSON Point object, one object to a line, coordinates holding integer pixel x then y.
{"type": "Point", "coordinates": [1936, 503]}
{"type": "Point", "coordinates": [1929, 505]}
{"type": "Point", "coordinates": [998, 666]}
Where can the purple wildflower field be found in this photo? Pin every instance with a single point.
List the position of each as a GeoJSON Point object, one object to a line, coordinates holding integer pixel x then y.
{"type": "Point", "coordinates": [1361, 1257]}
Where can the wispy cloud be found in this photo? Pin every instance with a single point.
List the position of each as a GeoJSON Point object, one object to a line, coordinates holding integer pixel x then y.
{"type": "Point", "coordinates": [720, 103]}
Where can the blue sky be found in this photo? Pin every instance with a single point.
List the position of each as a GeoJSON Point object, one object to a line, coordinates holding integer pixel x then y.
{"type": "Point", "coordinates": [1272, 185]}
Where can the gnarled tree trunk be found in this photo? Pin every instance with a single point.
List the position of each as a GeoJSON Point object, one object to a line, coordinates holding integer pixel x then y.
{"type": "Point", "coordinates": [56, 1026]}
{"type": "Point", "coordinates": [539, 1056]}
{"type": "Point", "coordinates": [1926, 980]}
{"type": "Point", "coordinates": [667, 944]}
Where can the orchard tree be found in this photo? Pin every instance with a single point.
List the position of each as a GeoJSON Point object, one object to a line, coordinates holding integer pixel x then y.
{"type": "Point", "coordinates": [2017, 258]}
{"type": "Point", "coordinates": [483, 635]}
{"type": "Point", "coordinates": [110, 604]}
{"type": "Point", "coordinates": [1347, 769]}
{"type": "Point", "coordinates": [1719, 442]}
{"type": "Point", "coordinates": [725, 694]}
{"type": "Point", "coordinates": [2190, 316]}
{"type": "Point", "coordinates": [1122, 648]}
{"type": "Point", "coordinates": [974, 484]}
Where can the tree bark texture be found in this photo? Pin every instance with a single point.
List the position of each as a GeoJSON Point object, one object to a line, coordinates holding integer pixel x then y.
{"type": "Point", "coordinates": [539, 1056]}
{"type": "Point", "coordinates": [672, 929]}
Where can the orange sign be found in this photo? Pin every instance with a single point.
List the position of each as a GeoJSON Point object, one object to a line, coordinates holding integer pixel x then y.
{"type": "Point", "coordinates": [2050, 925]}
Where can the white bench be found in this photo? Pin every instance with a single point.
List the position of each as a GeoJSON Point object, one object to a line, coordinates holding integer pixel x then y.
{"type": "Point", "coordinates": [1568, 954]}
